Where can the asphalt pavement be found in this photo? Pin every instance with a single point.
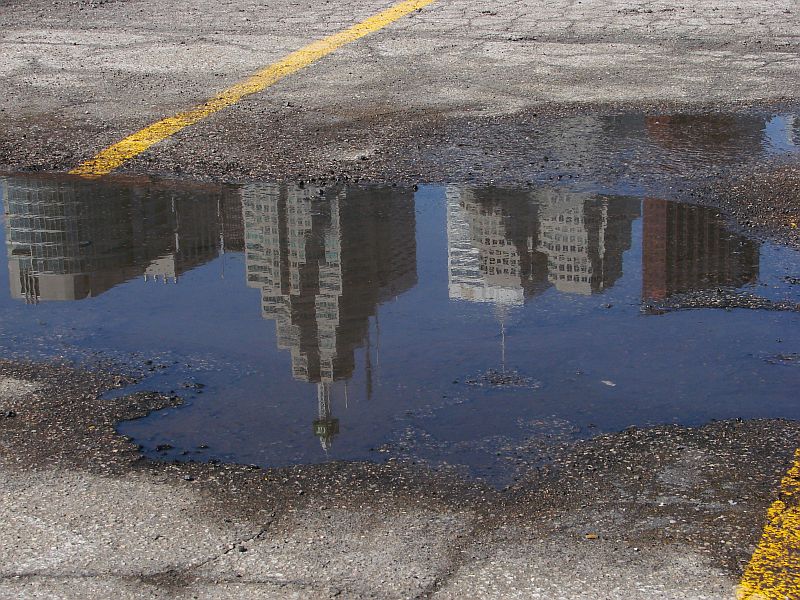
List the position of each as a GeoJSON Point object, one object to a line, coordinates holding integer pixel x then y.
{"type": "Point", "coordinates": [666, 512]}
{"type": "Point", "coordinates": [80, 76]}
{"type": "Point", "coordinates": [451, 91]}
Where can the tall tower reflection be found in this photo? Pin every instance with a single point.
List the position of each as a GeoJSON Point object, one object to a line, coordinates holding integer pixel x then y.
{"type": "Point", "coordinates": [69, 240]}
{"type": "Point", "coordinates": [505, 247]}
{"type": "Point", "coordinates": [324, 263]}
{"type": "Point", "coordinates": [492, 241]}
{"type": "Point", "coordinates": [584, 237]}
{"type": "Point", "coordinates": [687, 248]}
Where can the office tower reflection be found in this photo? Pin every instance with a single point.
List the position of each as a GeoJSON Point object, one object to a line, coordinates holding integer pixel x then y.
{"type": "Point", "coordinates": [324, 263]}
{"type": "Point", "coordinates": [69, 240]}
{"type": "Point", "coordinates": [687, 248]}
{"type": "Point", "coordinates": [584, 237]}
{"type": "Point", "coordinates": [326, 426]}
{"type": "Point", "coordinates": [505, 247]}
{"type": "Point", "coordinates": [492, 241]}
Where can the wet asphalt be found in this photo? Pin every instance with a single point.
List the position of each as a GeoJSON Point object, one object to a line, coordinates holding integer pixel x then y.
{"type": "Point", "coordinates": [667, 512]}
{"type": "Point", "coordinates": [677, 510]}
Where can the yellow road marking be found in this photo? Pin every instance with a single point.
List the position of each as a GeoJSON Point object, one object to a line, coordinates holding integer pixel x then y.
{"type": "Point", "coordinates": [773, 572]}
{"type": "Point", "coordinates": [112, 157]}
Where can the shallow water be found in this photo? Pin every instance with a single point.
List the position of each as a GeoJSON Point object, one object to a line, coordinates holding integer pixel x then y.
{"type": "Point", "coordinates": [478, 327]}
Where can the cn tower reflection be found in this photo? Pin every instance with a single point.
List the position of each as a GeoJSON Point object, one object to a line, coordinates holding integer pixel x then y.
{"type": "Point", "coordinates": [324, 264]}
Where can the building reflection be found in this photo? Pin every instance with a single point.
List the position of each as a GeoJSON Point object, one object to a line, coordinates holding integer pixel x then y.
{"type": "Point", "coordinates": [505, 247]}
{"type": "Point", "coordinates": [707, 136]}
{"type": "Point", "coordinates": [492, 243]}
{"type": "Point", "coordinates": [688, 248]}
{"type": "Point", "coordinates": [70, 240]}
{"type": "Point", "coordinates": [324, 263]}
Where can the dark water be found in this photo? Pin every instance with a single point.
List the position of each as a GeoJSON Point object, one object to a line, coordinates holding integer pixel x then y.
{"type": "Point", "coordinates": [450, 324]}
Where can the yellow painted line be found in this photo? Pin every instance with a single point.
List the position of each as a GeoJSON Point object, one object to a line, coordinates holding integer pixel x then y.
{"type": "Point", "coordinates": [773, 572]}
{"type": "Point", "coordinates": [112, 157]}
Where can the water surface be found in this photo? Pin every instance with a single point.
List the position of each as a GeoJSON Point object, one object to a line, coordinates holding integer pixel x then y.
{"type": "Point", "coordinates": [471, 326]}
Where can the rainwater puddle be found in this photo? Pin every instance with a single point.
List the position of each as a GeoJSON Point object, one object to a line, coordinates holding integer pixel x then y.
{"type": "Point", "coordinates": [469, 326]}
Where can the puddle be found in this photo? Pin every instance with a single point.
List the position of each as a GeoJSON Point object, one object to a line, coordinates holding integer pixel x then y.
{"type": "Point", "coordinates": [476, 327]}
{"type": "Point", "coordinates": [623, 153]}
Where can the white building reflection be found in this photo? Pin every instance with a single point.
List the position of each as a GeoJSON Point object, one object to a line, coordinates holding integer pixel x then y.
{"type": "Point", "coordinates": [324, 263]}
{"type": "Point", "coordinates": [70, 240]}
{"type": "Point", "coordinates": [505, 246]}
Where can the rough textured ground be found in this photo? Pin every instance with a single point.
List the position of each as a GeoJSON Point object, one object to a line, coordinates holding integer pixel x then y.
{"type": "Point", "coordinates": [506, 92]}
{"type": "Point", "coordinates": [766, 202]}
{"type": "Point", "coordinates": [668, 512]}
{"type": "Point", "coordinates": [78, 76]}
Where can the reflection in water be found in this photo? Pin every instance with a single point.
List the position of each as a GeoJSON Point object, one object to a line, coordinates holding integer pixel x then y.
{"type": "Point", "coordinates": [325, 261]}
{"type": "Point", "coordinates": [686, 250]}
{"type": "Point", "coordinates": [72, 240]}
{"type": "Point", "coordinates": [795, 121]}
{"type": "Point", "coordinates": [783, 132]}
{"type": "Point", "coordinates": [724, 137]}
{"type": "Point", "coordinates": [506, 246]}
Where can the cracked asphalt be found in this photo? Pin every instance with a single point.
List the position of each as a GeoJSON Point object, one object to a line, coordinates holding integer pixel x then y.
{"type": "Point", "coordinates": [457, 92]}
{"type": "Point", "coordinates": [666, 512]}
{"type": "Point", "coordinates": [78, 76]}
{"type": "Point", "coordinates": [489, 92]}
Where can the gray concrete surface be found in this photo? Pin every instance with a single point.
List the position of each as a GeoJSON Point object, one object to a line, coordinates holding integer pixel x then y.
{"type": "Point", "coordinates": [79, 76]}
{"type": "Point", "coordinates": [459, 88]}
{"type": "Point", "coordinates": [668, 512]}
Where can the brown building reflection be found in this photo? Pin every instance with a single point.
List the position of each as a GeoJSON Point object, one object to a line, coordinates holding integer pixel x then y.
{"type": "Point", "coordinates": [69, 240]}
{"type": "Point", "coordinates": [506, 246]}
{"type": "Point", "coordinates": [324, 263]}
{"type": "Point", "coordinates": [714, 136]}
{"type": "Point", "coordinates": [688, 248]}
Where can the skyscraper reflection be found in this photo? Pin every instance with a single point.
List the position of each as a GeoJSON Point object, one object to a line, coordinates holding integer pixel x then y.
{"type": "Point", "coordinates": [506, 246]}
{"type": "Point", "coordinates": [324, 263]}
{"type": "Point", "coordinates": [687, 248]}
{"type": "Point", "coordinates": [69, 240]}
{"type": "Point", "coordinates": [584, 237]}
{"type": "Point", "coordinates": [492, 242]}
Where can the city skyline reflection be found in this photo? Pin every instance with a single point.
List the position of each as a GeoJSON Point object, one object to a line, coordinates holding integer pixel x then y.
{"type": "Point", "coordinates": [324, 260]}
{"type": "Point", "coordinates": [69, 240]}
